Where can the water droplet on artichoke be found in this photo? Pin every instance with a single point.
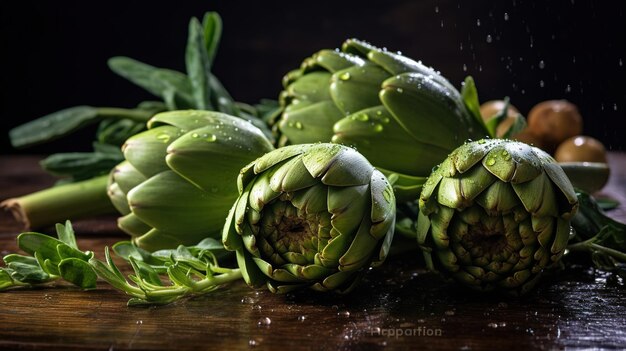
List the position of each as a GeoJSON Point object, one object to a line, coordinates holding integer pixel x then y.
{"type": "Point", "coordinates": [344, 76]}
{"type": "Point", "coordinates": [363, 117]}
{"type": "Point", "coordinates": [164, 138]}
{"type": "Point", "coordinates": [211, 138]}
{"type": "Point", "coordinates": [491, 162]}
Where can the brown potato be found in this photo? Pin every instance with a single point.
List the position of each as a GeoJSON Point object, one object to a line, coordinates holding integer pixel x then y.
{"type": "Point", "coordinates": [581, 149]}
{"type": "Point", "coordinates": [492, 108]}
{"type": "Point", "coordinates": [554, 121]}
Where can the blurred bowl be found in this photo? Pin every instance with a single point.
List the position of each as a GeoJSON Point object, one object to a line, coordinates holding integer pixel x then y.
{"type": "Point", "coordinates": [587, 176]}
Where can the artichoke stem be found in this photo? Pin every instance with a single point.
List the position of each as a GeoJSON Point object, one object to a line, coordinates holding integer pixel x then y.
{"type": "Point", "coordinates": [60, 203]}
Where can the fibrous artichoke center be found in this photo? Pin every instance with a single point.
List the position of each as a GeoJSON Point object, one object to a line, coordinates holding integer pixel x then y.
{"type": "Point", "coordinates": [291, 234]}
{"type": "Point", "coordinates": [491, 242]}
{"type": "Point", "coordinates": [293, 230]}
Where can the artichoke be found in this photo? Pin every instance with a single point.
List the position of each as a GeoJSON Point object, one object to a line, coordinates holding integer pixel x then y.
{"type": "Point", "coordinates": [382, 104]}
{"type": "Point", "coordinates": [495, 214]}
{"type": "Point", "coordinates": [310, 216]}
{"type": "Point", "coordinates": [178, 180]}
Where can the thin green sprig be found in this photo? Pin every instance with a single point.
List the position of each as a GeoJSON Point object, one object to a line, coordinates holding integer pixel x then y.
{"type": "Point", "coordinates": [158, 278]}
{"type": "Point", "coordinates": [599, 235]}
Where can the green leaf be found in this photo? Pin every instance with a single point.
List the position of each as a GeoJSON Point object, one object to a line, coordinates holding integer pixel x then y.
{"type": "Point", "coordinates": [198, 66]}
{"type": "Point", "coordinates": [145, 272]}
{"type": "Point", "coordinates": [470, 98]}
{"type": "Point", "coordinates": [26, 269]}
{"type": "Point", "coordinates": [80, 165]}
{"type": "Point", "coordinates": [52, 126]}
{"type": "Point", "coordinates": [78, 272]}
{"type": "Point", "coordinates": [172, 86]}
{"type": "Point", "coordinates": [180, 276]}
{"type": "Point", "coordinates": [45, 245]}
{"type": "Point", "coordinates": [116, 131]}
{"type": "Point", "coordinates": [212, 24]}
{"type": "Point", "coordinates": [66, 251]}
{"type": "Point", "coordinates": [109, 274]}
{"type": "Point", "coordinates": [66, 234]}
{"type": "Point", "coordinates": [209, 244]}
{"type": "Point", "coordinates": [222, 100]}
{"type": "Point", "coordinates": [5, 278]}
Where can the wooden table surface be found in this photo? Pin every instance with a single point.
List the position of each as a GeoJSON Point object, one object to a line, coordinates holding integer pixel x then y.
{"type": "Point", "coordinates": [399, 306]}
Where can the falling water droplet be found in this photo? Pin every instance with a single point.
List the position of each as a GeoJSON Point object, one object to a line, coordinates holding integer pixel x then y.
{"type": "Point", "coordinates": [301, 318]}
{"type": "Point", "coordinates": [506, 16]}
{"type": "Point", "coordinates": [478, 22]}
{"type": "Point", "coordinates": [542, 83]}
{"type": "Point", "coordinates": [489, 38]}
{"type": "Point", "coordinates": [464, 68]}
{"type": "Point", "coordinates": [568, 88]}
{"type": "Point", "coordinates": [436, 9]}
{"type": "Point", "coordinates": [542, 64]}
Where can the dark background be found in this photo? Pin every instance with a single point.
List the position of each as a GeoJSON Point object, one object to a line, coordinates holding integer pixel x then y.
{"type": "Point", "coordinates": [53, 54]}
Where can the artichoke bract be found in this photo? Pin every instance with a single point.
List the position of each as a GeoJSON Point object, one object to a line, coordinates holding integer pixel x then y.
{"type": "Point", "coordinates": [310, 216]}
{"type": "Point", "coordinates": [378, 102]}
{"type": "Point", "coordinates": [495, 214]}
{"type": "Point", "coordinates": [178, 180]}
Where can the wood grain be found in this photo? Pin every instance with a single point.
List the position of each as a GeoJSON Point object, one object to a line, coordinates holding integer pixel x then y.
{"type": "Point", "coordinates": [577, 308]}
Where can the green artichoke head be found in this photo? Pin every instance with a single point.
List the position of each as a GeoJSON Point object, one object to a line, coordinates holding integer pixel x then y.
{"type": "Point", "coordinates": [403, 116]}
{"type": "Point", "coordinates": [495, 214]}
{"type": "Point", "coordinates": [310, 216]}
{"type": "Point", "coordinates": [178, 180]}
